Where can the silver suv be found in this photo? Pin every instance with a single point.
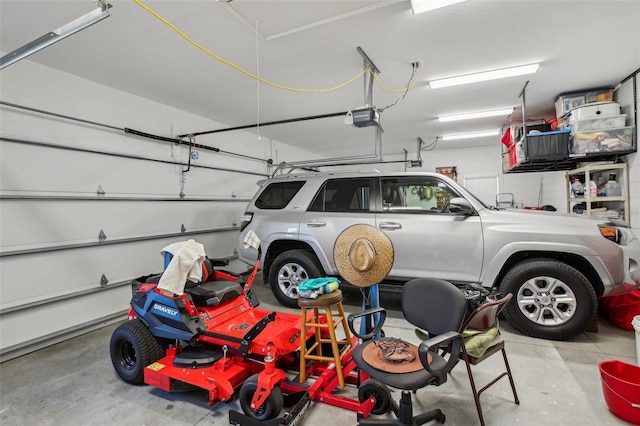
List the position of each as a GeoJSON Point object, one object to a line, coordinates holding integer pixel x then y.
{"type": "Point", "coordinates": [555, 265]}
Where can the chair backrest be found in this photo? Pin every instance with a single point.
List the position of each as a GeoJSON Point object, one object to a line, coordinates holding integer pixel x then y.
{"type": "Point", "coordinates": [207, 270]}
{"type": "Point", "coordinates": [433, 305]}
{"type": "Point", "coordinates": [486, 315]}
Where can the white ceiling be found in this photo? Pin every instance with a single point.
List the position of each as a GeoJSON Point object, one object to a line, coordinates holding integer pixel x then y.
{"type": "Point", "coordinates": [311, 44]}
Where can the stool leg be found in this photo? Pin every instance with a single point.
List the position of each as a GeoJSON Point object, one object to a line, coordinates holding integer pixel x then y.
{"type": "Point", "coordinates": [303, 345]}
{"type": "Point", "coordinates": [318, 334]}
{"type": "Point", "coordinates": [334, 346]}
{"type": "Point", "coordinates": [345, 326]}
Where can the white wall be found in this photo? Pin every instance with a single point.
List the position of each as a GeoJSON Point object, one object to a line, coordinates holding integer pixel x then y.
{"type": "Point", "coordinates": [48, 295]}
{"type": "Point", "coordinates": [633, 161]}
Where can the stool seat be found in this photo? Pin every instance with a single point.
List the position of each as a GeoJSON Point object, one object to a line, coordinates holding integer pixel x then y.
{"type": "Point", "coordinates": [314, 351]}
{"type": "Point", "coordinates": [323, 300]}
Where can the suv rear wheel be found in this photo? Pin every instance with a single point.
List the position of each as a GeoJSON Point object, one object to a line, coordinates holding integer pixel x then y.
{"type": "Point", "coordinates": [551, 299]}
{"type": "Point", "coordinates": [288, 270]}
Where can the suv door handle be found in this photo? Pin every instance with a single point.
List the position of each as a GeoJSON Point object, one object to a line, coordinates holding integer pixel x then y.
{"type": "Point", "coordinates": [390, 226]}
{"type": "Point", "coordinates": [316, 223]}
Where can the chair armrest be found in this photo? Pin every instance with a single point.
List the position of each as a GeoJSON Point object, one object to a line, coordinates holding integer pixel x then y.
{"type": "Point", "coordinates": [368, 313]}
{"type": "Point", "coordinates": [452, 338]}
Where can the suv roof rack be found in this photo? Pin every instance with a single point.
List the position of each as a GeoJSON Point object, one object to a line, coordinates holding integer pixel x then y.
{"type": "Point", "coordinates": [312, 170]}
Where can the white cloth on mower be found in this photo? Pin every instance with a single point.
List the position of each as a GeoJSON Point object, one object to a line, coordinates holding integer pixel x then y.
{"type": "Point", "coordinates": [172, 248]}
{"type": "Point", "coordinates": [186, 264]}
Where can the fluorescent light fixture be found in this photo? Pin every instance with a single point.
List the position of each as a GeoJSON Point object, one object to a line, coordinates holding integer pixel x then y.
{"type": "Point", "coordinates": [471, 135]}
{"type": "Point", "coordinates": [421, 6]}
{"type": "Point", "coordinates": [56, 35]}
{"type": "Point", "coordinates": [484, 76]}
{"type": "Point", "coordinates": [479, 114]}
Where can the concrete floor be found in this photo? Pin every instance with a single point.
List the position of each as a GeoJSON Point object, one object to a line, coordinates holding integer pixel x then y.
{"type": "Point", "coordinates": [73, 383]}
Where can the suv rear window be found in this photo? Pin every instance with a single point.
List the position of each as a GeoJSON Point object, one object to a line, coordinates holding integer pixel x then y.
{"type": "Point", "coordinates": [277, 195]}
{"type": "Point", "coordinates": [343, 195]}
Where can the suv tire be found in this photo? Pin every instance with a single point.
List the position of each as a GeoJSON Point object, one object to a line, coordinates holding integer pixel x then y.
{"type": "Point", "coordinates": [288, 270]}
{"type": "Point", "coordinates": [551, 300]}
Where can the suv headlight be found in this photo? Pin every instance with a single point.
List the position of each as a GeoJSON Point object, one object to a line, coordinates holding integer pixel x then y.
{"type": "Point", "coordinates": [610, 233]}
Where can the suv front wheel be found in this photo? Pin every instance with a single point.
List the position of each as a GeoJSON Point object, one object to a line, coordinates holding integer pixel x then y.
{"type": "Point", "coordinates": [551, 300]}
{"type": "Point", "coordinates": [288, 270]}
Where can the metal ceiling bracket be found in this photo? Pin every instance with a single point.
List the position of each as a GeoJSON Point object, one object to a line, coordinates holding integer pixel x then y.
{"type": "Point", "coordinates": [524, 111]}
{"type": "Point", "coordinates": [102, 237]}
{"type": "Point", "coordinates": [56, 35]}
{"type": "Point", "coordinates": [103, 281]}
{"type": "Point", "coordinates": [367, 64]}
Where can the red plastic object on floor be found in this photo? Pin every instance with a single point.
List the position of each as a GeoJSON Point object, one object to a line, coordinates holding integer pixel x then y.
{"type": "Point", "coordinates": [622, 308]}
{"type": "Point", "coordinates": [621, 388]}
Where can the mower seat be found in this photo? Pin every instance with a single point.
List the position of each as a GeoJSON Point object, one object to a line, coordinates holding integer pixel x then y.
{"type": "Point", "coordinates": [212, 293]}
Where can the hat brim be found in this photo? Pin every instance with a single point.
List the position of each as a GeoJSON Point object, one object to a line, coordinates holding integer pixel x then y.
{"type": "Point", "coordinates": [373, 356]}
{"type": "Point", "coordinates": [383, 255]}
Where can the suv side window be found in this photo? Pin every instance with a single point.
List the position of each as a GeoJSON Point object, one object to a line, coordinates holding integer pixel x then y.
{"type": "Point", "coordinates": [277, 195]}
{"type": "Point", "coordinates": [415, 194]}
{"type": "Point", "coordinates": [343, 195]}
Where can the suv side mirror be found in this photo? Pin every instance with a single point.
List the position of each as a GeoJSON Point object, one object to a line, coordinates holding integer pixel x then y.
{"type": "Point", "coordinates": [459, 205]}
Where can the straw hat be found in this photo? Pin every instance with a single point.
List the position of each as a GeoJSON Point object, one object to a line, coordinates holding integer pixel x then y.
{"type": "Point", "coordinates": [363, 255]}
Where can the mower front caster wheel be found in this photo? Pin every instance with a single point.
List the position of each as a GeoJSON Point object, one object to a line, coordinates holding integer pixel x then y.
{"type": "Point", "coordinates": [267, 411]}
{"type": "Point", "coordinates": [378, 390]}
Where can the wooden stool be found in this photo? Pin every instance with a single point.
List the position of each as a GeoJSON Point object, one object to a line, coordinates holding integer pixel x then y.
{"type": "Point", "coordinates": [325, 301]}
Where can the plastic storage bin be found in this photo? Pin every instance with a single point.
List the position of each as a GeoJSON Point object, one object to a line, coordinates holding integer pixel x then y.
{"type": "Point", "coordinates": [547, 146]}
{"type": "Point", "coordinates": [602, 141]}
{"type": "Point", "coordinates": [598, 123]}
{"type": "Point", "coordinates": [566, 102]}
{"type": "Point", "coordinates": [595, 110]}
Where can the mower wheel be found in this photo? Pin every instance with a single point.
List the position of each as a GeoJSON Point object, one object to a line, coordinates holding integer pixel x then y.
{"type": "Point", "coordinates": [133, 347]}
{"type": "Point", "coordinates": [378, 390]}
{"type": "Point", "coordinates": [271, 407]}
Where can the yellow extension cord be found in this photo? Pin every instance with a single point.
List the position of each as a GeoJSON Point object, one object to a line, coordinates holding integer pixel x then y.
{"type": "Point", "coordinates": [262, 80]}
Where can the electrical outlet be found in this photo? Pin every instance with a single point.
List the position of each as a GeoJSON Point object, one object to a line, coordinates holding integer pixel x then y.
{"type": "Point", "coordinates": [417, 63]}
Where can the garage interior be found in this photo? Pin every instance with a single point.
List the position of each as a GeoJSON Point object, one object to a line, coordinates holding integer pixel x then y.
{"type": "Point", "coordinates": [155, 124]}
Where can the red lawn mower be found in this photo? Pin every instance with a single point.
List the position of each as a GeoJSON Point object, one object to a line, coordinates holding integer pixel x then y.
{"type": "Point", "coordinates": [214, 337]}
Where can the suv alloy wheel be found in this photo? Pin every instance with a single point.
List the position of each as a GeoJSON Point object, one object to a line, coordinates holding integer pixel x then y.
{"type": "Point", "coordinates": [288, 270]}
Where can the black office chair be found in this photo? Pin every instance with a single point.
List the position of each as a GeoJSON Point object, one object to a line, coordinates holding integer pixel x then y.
{"type": "Point", "coordinates": [429, 304]}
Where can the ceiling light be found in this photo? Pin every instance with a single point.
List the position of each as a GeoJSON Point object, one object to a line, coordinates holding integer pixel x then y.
{"type": "Point", "coordinates": [484, 76]}
{"type": "Point", "coordinates": [471, 135]}
{"type": "Point", "coordinates": [480, 114]}
{"type": "Point", "coordinates": [421, 6]}
{"type": "Point", "coordinates": [56, 35]}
